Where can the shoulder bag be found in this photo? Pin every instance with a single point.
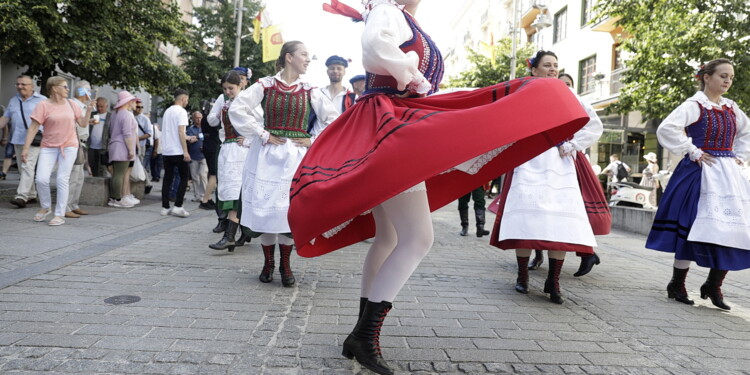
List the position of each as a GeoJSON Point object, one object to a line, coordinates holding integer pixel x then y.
{"type": "Point", "coordinates": [38, 136]}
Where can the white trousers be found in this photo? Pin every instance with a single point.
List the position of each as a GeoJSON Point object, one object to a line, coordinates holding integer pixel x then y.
{"type": "Point", "coordinates": [48, 157]}
{"type": "Point", "coordinates": [26, 188]}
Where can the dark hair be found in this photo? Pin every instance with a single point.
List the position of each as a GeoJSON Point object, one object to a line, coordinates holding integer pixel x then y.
{"type": "Point", "coordinates": [234, 77]}
{"type": "Point", "coordinates": [710, 68]}
{"type": "Point", "coordinates": [534, 61]}
{"type": "Point", "coordinates": [179, 92]}
{"type": "Point", "coordinates": [568, 76]}
{"type": "Point", "coordinates": [288, 47]}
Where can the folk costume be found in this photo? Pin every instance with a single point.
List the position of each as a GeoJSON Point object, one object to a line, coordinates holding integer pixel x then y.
{"type": "Point", "coordinates": [550, 192]}
{"type": "Point", "coordinates": [268, 168]}
{"type": "Point", "coordinates": [387, 161]}
{"type": "Point", "coordinates": [230, 163]}
{"type": "Point", "coordinates": [704, 214]}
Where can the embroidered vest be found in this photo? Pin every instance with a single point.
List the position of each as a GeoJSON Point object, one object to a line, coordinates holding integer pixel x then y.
{"type": "Point", "coordinates": [715, 130]}
{"type": "Point", "coordinates": [230, 134]}
{"type": "Point", "coordinates": [430, 63]}
{"type": "Point", "coordinates": [286, 110]}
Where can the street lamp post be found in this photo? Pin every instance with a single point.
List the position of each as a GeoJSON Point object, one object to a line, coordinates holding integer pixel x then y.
{"type": "Point", "coordinates": [514, 46]}
{"type": "Point", "coordinates": [238, 40]}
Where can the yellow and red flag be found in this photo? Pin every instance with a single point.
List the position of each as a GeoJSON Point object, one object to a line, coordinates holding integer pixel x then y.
{"type": "Point", "coordinates": [257, 27]}
{"type": "Point", "coordinates": [272, 42]}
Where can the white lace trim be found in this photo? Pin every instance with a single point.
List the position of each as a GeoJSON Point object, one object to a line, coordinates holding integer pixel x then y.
{"type": "Point", "coordinates": [701, 98]}
{"type": "Point", "coordinates": [332, 232]}
{"type": "Point", "coordinates": [479, 162]}
{"type": "Point", "coordinates": [271, 81]}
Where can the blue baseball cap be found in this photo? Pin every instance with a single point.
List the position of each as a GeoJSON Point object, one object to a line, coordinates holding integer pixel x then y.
{"type": "Point", "coordinates": [359, 77]}
{"type": "Point", "coordinates": [337, 60]}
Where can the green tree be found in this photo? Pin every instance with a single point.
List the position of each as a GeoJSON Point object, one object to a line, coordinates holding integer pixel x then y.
{"type": "Point", "coordinates": [214, 39]}
{"type": "Point", "coordinates": [104, 42]}
{"type": "Point", "coordinates": [668, 40]}
{"type": "Point", "coordinates": [484, 73]}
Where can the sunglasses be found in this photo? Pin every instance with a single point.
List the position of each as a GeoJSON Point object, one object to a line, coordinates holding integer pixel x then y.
{"type": "Point", "coordinates": [139, 107]}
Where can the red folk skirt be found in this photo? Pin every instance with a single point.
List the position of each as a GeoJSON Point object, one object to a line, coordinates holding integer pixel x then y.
{"type": "Point", "coordinates": [384, 145]}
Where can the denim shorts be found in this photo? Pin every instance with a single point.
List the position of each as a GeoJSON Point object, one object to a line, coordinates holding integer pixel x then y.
{"type": "Point", "coordinates": [9, 150]}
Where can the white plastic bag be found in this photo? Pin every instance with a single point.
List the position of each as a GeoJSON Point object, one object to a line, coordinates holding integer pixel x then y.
{"type": "Point", "coordinates": [138, 173]}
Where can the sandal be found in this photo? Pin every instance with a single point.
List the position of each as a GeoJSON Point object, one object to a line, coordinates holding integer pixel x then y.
{"type": "Point", "coordinates": [57, 220]}
{"type": "Point", "coordinates": [40, 216]}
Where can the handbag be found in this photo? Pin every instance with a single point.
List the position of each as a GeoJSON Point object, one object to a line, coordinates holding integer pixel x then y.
{"type": "Point", "coordinates": [80, 157]}
{"type": "Point", "coordinates": [37, 141]}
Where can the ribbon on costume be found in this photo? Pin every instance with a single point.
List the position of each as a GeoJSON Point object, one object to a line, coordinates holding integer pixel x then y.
{"type": "Point", "coordinates": [339, 8]}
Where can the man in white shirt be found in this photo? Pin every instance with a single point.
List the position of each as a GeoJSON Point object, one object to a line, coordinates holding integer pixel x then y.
{"type": "Point", "coordinates": [175, 153]}
{"type": "Point", "coordinates": [335, 91]}
{"type": "Point", "coordinates": [612, 169]}
{"type": "Point", "coordinates": [81, 97]}
{"type": "Point", "coordinates": [145, 135]}
{"type": "Point", "coordinates": [98, 137]}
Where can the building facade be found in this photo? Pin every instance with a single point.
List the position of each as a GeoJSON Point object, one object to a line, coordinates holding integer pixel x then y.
{"type": "Point", "coordinates": [588, 52]}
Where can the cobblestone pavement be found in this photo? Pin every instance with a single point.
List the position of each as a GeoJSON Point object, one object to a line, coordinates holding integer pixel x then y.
{"type": "Point", "coordinates": [205, 312]}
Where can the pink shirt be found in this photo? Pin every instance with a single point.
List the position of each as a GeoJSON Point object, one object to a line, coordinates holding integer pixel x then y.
{"type": "Point", "coordinates": [59, 121]}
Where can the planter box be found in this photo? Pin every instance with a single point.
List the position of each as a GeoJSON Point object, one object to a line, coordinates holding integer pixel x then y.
{"type": "Point", "coordinates": [637, 220]}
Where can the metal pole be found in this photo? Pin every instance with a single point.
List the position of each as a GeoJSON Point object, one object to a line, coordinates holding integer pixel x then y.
{"type": "Point", "coordinates": [514, 47]}
{"type": "Point", "coordinates": [238, 40]}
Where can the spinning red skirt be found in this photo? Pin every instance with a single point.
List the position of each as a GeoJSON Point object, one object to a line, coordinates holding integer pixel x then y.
{"type": "Point", "coordinates": [384, 145]}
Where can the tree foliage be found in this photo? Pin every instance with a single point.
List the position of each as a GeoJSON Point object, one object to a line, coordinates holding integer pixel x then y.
{"type": "Point", "coordinates": [214, 40]}
{"type": "Point", "coordinates": [668, 40]}
{"type": "Point", "coordinates": [104, 42]}
{"type": "Point", "coordinates": [484, 73]}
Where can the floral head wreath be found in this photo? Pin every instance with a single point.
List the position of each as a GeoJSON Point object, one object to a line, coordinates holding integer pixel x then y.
{"type": "Point", "coordinates": [530, 62]}
{"type": "Point", "coordinates": [699, 73]}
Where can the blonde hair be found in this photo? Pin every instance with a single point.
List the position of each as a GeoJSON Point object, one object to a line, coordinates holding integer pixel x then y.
{"type": "Point", "coordinates": [288, 48]}
{"type": "Point", "coordinates": [54, 81]}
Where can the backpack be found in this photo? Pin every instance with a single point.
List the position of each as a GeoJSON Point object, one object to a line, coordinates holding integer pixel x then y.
{"type": "Point", "coordinates": [622, 173]}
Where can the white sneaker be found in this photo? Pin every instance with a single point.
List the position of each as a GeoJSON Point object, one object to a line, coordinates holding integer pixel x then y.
{"type": "Point", "coordinates": [111, 202]}
{"type": "Point", "coordinates": [132, 199]}
{"type": "Point", "coordinates": [122, 203]}
{"type": "Point", "coordinates": [165, 211]}
{"type": "Point", "coordinates": [179, 211]}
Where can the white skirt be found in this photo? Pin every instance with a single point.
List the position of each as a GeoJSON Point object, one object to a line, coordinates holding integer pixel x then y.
{"type": "Point", "coordinates": [545, 203]}
{"type": "Point", "coordinates": [267, 178]}
{"type": "Point", "coordinates": [724, 206]}
{"type": "Point", "coordinates": [229, 171]}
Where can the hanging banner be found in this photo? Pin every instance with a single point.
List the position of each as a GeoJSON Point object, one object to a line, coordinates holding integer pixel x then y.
{"type": "Point", "coordinates": [257, 27]}
{"type": "Point", "coordinates": [272, 42]}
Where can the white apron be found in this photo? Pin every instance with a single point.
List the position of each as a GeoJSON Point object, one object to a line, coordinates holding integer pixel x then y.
{"type": "Point", "coordinates": [723, 206]}
{"type": "Point", "coordinates": [229, 172]}
{"type": "Point", "coordinates": [545, 203]}
{"type": "Point", "coordinates": [267, 178]}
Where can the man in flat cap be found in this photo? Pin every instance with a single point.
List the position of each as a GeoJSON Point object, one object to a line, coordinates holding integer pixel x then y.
{"type": "Point", "coordinates": [358, 85]}
{"type": "Point", "coordinates": [335, 91]}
